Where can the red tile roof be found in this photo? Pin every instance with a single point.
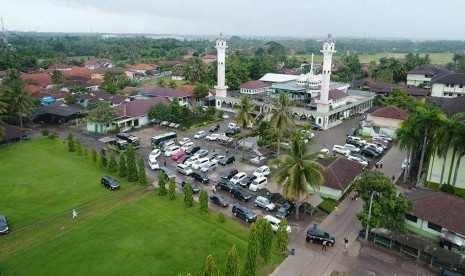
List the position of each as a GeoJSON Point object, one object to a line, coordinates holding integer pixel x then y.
{"type": "Point", "coordinates": [186, 88]}
{"type": "Point", "coordinates": [141, 67]}
{"type": "Point", "coordinates": [90, 62]}
{"type": "Point", "coordinates": [256, 84]}
{"type": "Point", "coordinates": [334, 94]}
{"type": "Point", "coordinates": [139, 108]}
{"type": "Point", "coordinates": [166, 92]}
{"type": "Point", "coordinates": [391, 112]}
{"type": "Point", "coordinates": [32, 88]}
{"type": "Point", "coordinates": [439, 208]}
{"type": "Point", "coordinates": [39, 79]}
{"type": "Point", "coordinates": [129, 90]}
{"type": "Point", "coordinates": [42, 93]}
{"type": "Point", "coordinates": [339, 172]}
{"type": "Point", "coordinates": [209, 57]}
{"type": "Point", "coordinates": [77, 71]}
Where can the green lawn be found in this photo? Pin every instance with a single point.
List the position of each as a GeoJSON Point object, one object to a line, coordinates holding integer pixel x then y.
{"type": "Point", "coordinates": [129, 231]}
{"type": "Point", "coordinates": [436, 58]}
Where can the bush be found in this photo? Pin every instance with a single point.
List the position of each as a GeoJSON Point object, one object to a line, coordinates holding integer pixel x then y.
{"type": "Point", "coordinates": [45, 132]}
{"type": "Point", "coordinates": [221, 218]}
{"type": "Point", "coordinates": [203, 200]}
{"type": "Point", "coordinates": [53, 136]}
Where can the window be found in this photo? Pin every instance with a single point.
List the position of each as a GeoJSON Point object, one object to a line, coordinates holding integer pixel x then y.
{"type": "Point", "coordinates": [434, 227]}
{"type": "Point", "coordinates": [461, 86]}
{"type": "Point", "coordinates": [411, 218]}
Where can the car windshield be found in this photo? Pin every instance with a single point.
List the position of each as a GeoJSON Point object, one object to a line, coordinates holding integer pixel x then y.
{"type": "Point", "coordinates": [2, 223]}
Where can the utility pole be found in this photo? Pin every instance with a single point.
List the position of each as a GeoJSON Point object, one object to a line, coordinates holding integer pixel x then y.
{"type": "Point", "coordinates": [369, 214]}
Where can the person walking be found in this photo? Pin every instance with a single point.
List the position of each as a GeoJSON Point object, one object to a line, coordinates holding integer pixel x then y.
{"type": "Point", "coordinates": [324, 245]}
{"type": "Point", "coordinates": [380, 164]}
{"type": "Point", "coordinates": [336, 210]}
{"type": "Point", "coordinates": [376, 165]}
{"type": "Point", "coordinates": [346, 244]}
{"type": "Point", "coordinates": [74, 214]}
{"type": "Point", "coordinates": [393, 178]}
{"type": "Point", "coordinates": [214, 188]}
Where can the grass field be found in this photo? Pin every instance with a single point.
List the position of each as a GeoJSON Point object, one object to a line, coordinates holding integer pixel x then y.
{"type": "Point", "coordinates": [436, 58]}
{"type": "Point", "coordinates": [129, 231]}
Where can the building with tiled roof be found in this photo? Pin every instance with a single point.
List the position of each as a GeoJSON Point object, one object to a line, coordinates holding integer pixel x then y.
{"type": "Point", "coordinates": [390, 112]}
{"type": "Point", "coordinates": [170, 93]}
{"type": "Point", "coordinates": [338, 173]}
{"type": "Point", "coordinates": [141, 67]}
{"type": "Point", "coordinates": [177, 75]}
{"type": "Point", "coordinates": [12, 133]}
{"type": "Point", "coordinates": [78, 72]}
{"type": "Point", "coordinates": [449, 86]}
{"type": "Point", "coordinates": [208, 58]}
{"type": "Point", "coordinates": [43, 80]}
{"type": "Point", "coordinates": [255, 87]}
{"type": "Point", "coordinates": [384, 120]}
{"type": "Point", "coordinates": [439, 215]}
{"type": "Point", "coordinates": [424, 74]}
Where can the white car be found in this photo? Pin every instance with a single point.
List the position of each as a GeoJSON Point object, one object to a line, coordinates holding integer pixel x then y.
{"type": "Point", "coordinates": [172, 151]}
{"type": "Point", "coordinates": [155, 153]}
{"type": "Point", "coordinates": [357, 139]}
{"type": "Point", "coordinates": [238, 177]}
{"type": "Point", "coordinates": [184, 141]}
{"type": "Point", "coordinates": [264, 203]}
{"type": "Point", "coordinates": [323, 153]}
{"type": "Point", "coordinates": [258, 184]}
{"type": "Point", "coordinates": [210, 166]}
{"type": "Point", "coordinates": [352, 148]}
{"type": "Point", "coordinates": [275, 223]}
{"type": "Point", "coordinates": [232, 125]}
{"type": "Point", "coordinates": [184, 169]}
{"type": "Point", "coordinates": [384, 137]}
{"type": "Point", "coordinates": [187, 145]}
{"type": "Point", "coordinates": [217, 159]}
{"type": "Point", "coordinates": [376, 146]}
{"type": "Point", "coordinates": [191, 160]}
{"type": "Point", "coordinates": [359, 159]}
{"type": "Point", "coordinates": [262, 171]}
{"type": "Point", "coordinates": [341, 150]}
{"type": "Point", "coordinates": [153, 164]}
{"type": "Point", "coordinates": [225, 116]}
{"type": "Point", "coordinates": [212, 137]}
{"type": "Point", "coordinates": [200, 163]}
{"type": "Point", "coordinates": [200, 134]}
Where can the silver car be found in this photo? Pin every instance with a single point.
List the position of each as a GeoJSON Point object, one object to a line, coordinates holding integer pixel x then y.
{"type": "Point", "coordinates": [264, 203]}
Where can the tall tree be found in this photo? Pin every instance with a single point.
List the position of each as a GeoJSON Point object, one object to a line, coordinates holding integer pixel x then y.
{"type": "Point", "coordinates": [298, 171]}
{"type": "Point", "coordinates": [200, 91]}
{"type": "Point", "coordinates": [172, 189]}
{"type": "Point", "coordinates": [282, 117]}
{"type": "Point", "coordinates": [142, 174]}
{"type": "Point", "coordinates": [122, 168]}
{"type": "Point", "coordinates": [252, 252]}
{"type": "Point", "coordinates": [17, 101]}
{"type": "Point", "coordinates": [103, 159]}
{"type": "Point", "coordinates": [112, 164]}
{"type": "Point", "coordinates": [244, 115]}
{"type": "Point", "coordinates": [210, 268]}
{"type": "Point", "coordinates": [161, 184]}
{"type": "Point", "coordinates": [265, 238]}
{"type": "Point", "coordinates": [113, 82]}
{"type": "Point", "coordinates": [458, 144]}
{"type": "Point", "coordinates": [194, 70]}
{"type": "Point", "coordinates": [232, 263]}
{"type": "Point", "coordinates": [203, 201]}
{"type": "Point", "coordinates": [282, 236]}
{"type": "Point", "coordinates": [94, 155]}
{"type": "Point", "coordinates": [188, 199]}
{"type": "Point", "coordinates": [132, 174]}
{"type": "Point", "coordinates": [78, 146]}
{"type": "Point", "coordinates": [71, 145]}
{"type": "Point", "coordinates": [408, 138]}
{"type": "Point", "coordinates": [102, 113]}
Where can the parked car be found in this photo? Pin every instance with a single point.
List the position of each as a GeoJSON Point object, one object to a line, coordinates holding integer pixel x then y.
{"type": "Point", "coordinates": [167, 145]}
{"type": "Point", "coordinates": [219, 200]}
{"type": "Point", "coordinates": [226, 185]}
{"type": "Point", "coordinates": [384, 137]}
{"type": "Point", "coordinates": [202, 153]}
{"type": "Point", "coordinates": [262, 171]}
{"type": "Point", "coordinates": [191, 160]}
{"type": "Point", "coordinates": [258, 184]}
{"type": "Point", "coordinates": [285, 210]}
{"type": "Point", "coordinates": [244, 213]}
{"type": "Point", "coordinates": [192, 150]}
{"type": "Point", "coordinates": [356, 139]}
{"type": "Point", "coordinates": [200, 134]}
{"type": "Point", "coordinates": [200, 176]}
{"type": "Point", "coordinates": [275, 223]}
{"type": "Point", "coordinates": [215, 128]}
{"type": "Point", "coordinates": [238, 177]}
{"type": "Point", "coordinates": [184, 169]}
{"type": "Point", "coordinates": [230, 132]}
{"type": "Point", "coordinates": [369, 153]}
{"type": "Point", "coordinates": [213, 137]}
{"type": "Point", "coordinates": [358, 158]}
{"type": "Point", "coordinates": [352, 131]}
{"type": "Point", "coordinates": [341, 150]}
{"type": "Point", "coordinates": [109, 182]}
{"type": "Point", "coordinates": [210, 166]}
{"type": "Point", "coordinates": [352, 148]}
{"type": "Point", "coordinates": [240, 194]}
{"type": "Point", "coordinates": [232, 125]}
{"type": "Point", "coordinates": [195, 188]}
{"type": "Point", "coordinates": [167, 173]}
{"type": "Point", "coordinates": [229, 173]}
{"type": "Point", "coordinates": [178, 155]}
{"type": "Point", "coordinates": [184, 140]}
{"type": "Point", "coordinates": [247, 180]}
{"type": "Point", "coordinates": [264, 203]}
{"type": "Point", "coordinates": [4, 228]}
{"type": "Point", "coordinates": [383, 143]}
{"type": "Point", "coordinates": [217, 159]}
{"type": "Point", "coordinates": [172, 151]}
{"type": "Point", "coordinates": [227, 160]}
{"type": "Point", "coordinates": [155, 153]}
{"type": "Point", "coordinates": [183, 159]}
{"type": "Point", "coordinates": [356, 143]}
{"type": "Point", "coordinates": [200, 163]}
{"type": "Point", "coordinates": [153, 163]}
{"type": "Point", "coordinates": [225, 116]}
{"type": "Point", "coordinates": [316, 127]}
{"type": "Point", "coordinates": [318, 236]}
{"type": "Point", "coordinates": [374, 148]}
{"type": "Point", "coordinates": [187, 145]}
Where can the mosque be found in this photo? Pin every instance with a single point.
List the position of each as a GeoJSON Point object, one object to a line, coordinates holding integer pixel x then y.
{"type": "Point", "coordinates": [318, 100]}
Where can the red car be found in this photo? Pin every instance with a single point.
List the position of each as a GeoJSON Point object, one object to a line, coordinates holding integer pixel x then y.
{"type": "Point", "coordinates": [178, 155]}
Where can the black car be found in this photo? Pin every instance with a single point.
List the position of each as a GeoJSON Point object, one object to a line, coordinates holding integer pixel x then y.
{"type": "Point", "coordinates": [244, 213]}
{"type": "Point", "coordinates": [229, 173]}
{"type": "Point", "coordinates": [356, 143]}
{"type": "Point", "coordinates": [369, 153]}
{"type": "Point", "coordinates": [215, 128]}
{"type": "Point", "coordinates": [316, 127]}
{"type": "Point", "coordinates": [4, 228]}
{"type": "Point", "coordinates": [227, 160]}
{"type": "Point", "coordinates": [230, 132]}
{"type": "Point", "coordinates": [247, 180]}
{"type": "Point", "coordinates": [109, 182]}
{"type": "Point", "coordinates": [373, 148]}
{"type": "Point", "coordinates": [318, 236]}
{"type": "Point", "coordinates": [227, 185]}
{"type": "Point", "coordinates": [183, 159]}
{"type": "Point", "coordinates": [240, 194]}
{"type": "Point", "coordinates": [219, 200]}
{"type": "Point", "coordinates": [286, 209]}
{"type": "Point", "coordinates": [195, 188]}
{"type": "Point", "coordinates": [167, 173]}
{"type": "Point", "coordinates": [352, 132]}
{"type": "Point", "coordinates": [192, 150]}
{"type": "Point", "coordinates": [200, 176]}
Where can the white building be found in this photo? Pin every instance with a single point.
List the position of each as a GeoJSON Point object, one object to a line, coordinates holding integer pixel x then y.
{"type": "Point", "coordinates": [424, 74]}
{"type": "Point", "coordinates": [255, 87]}
{"type": "Point", "coordinates": [448, 86]}
{"type": "Point", "coordinates": [221, 88]}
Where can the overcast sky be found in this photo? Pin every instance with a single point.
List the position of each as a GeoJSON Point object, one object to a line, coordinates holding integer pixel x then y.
{"type": "Point", "coordinates": [415, 19]}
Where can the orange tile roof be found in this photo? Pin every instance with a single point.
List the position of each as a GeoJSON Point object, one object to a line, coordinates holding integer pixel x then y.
{"type": "Point", "coordinates": [186, 88]}
{"type": "Point", "coordinates": [77, 71]}
{"type": "Point", "coordinates": [39, 79]}
{"type": "Point", "coordinates": [141, 66]}
{"type": "Point", "coordinates": [32, 88]}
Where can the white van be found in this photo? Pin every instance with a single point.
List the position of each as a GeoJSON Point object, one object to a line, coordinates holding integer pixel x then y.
{"type": "Point", "coordinates": [181, 168]}
{"type": "Point", "coordinates": [191, 160]}
{"type": "Point", "coordinates": [172, 151]}
{"type": "Point", "coordinates": [232, 125]}
{"type": "Point", "coordinates": [238, 177]}
{"type": "Point", "coordinates": [167, 144]}
{"type": "Point", "coordinates": [200, 163]}
{"type": "Point", "coordinates": [258, 183]}
{"type": "Point", "coordinates": [275, 223]}
{"type": "Point", "coordinates": [262, 171]}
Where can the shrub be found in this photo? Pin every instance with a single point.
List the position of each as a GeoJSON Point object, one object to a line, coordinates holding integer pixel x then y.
{"type": "Point", "coordinates": [71, 146]}
{"type": "Point", "coordinates": [122, 165]}
{"type": "Point", "coordinates": [78, 147]}
{"type": "Point", "coordinates": [188, 199]}
{"type": "Point", "coordinates": [53, 136]}
{"type": "Point", "coordinates": [221, 217]}
{"type": "Point", "coordinates": [172, 189]}
{"type": "Point", "coordinates": [161, 184]}
{"type": "Point", "coordinates": [142, 173]}
{"type": "Point", "coordinates": [103, 159]}
{"type": "Point", "coordinates": [94, 156]}
{"type": "Point", "coordinates": [45, 132]}
{"type": "Point", "coordinates": [131, 165]}
{"type": "Point", "coordinates": [203, 200]}
{"type": "Point", "coordinates": [112, 164]}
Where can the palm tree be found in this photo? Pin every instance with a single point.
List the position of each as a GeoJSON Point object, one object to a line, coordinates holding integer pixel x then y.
{"type": "Point", "coordinates": [298, 171]}
{"type": "Point", "coordinates": [20, 101]}
{"type": "Point", "coordinates": [244, 115]}
{"type": "Point", "coordinates": [407, 137]}
{"type": "Point", "coordinates": [282, 117]}
{"type": "Point", "coordinates": [445, 131]}
{"type": "Point", "coordinates": [458, 144]}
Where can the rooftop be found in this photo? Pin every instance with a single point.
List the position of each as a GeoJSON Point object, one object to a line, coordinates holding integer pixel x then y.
{"type": "Point", "coordinates": [452, 78]}
{"type": "Point", "coordinates": [390, 112]}
{"type": "Point", "coordinates": [278, 78]}
{"type": "Point", "coordinates": [256, 84]}
{"type": "Point", "coordinates": [430, 70]}
{"type": "Point", "coordinates": [339, 172]}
